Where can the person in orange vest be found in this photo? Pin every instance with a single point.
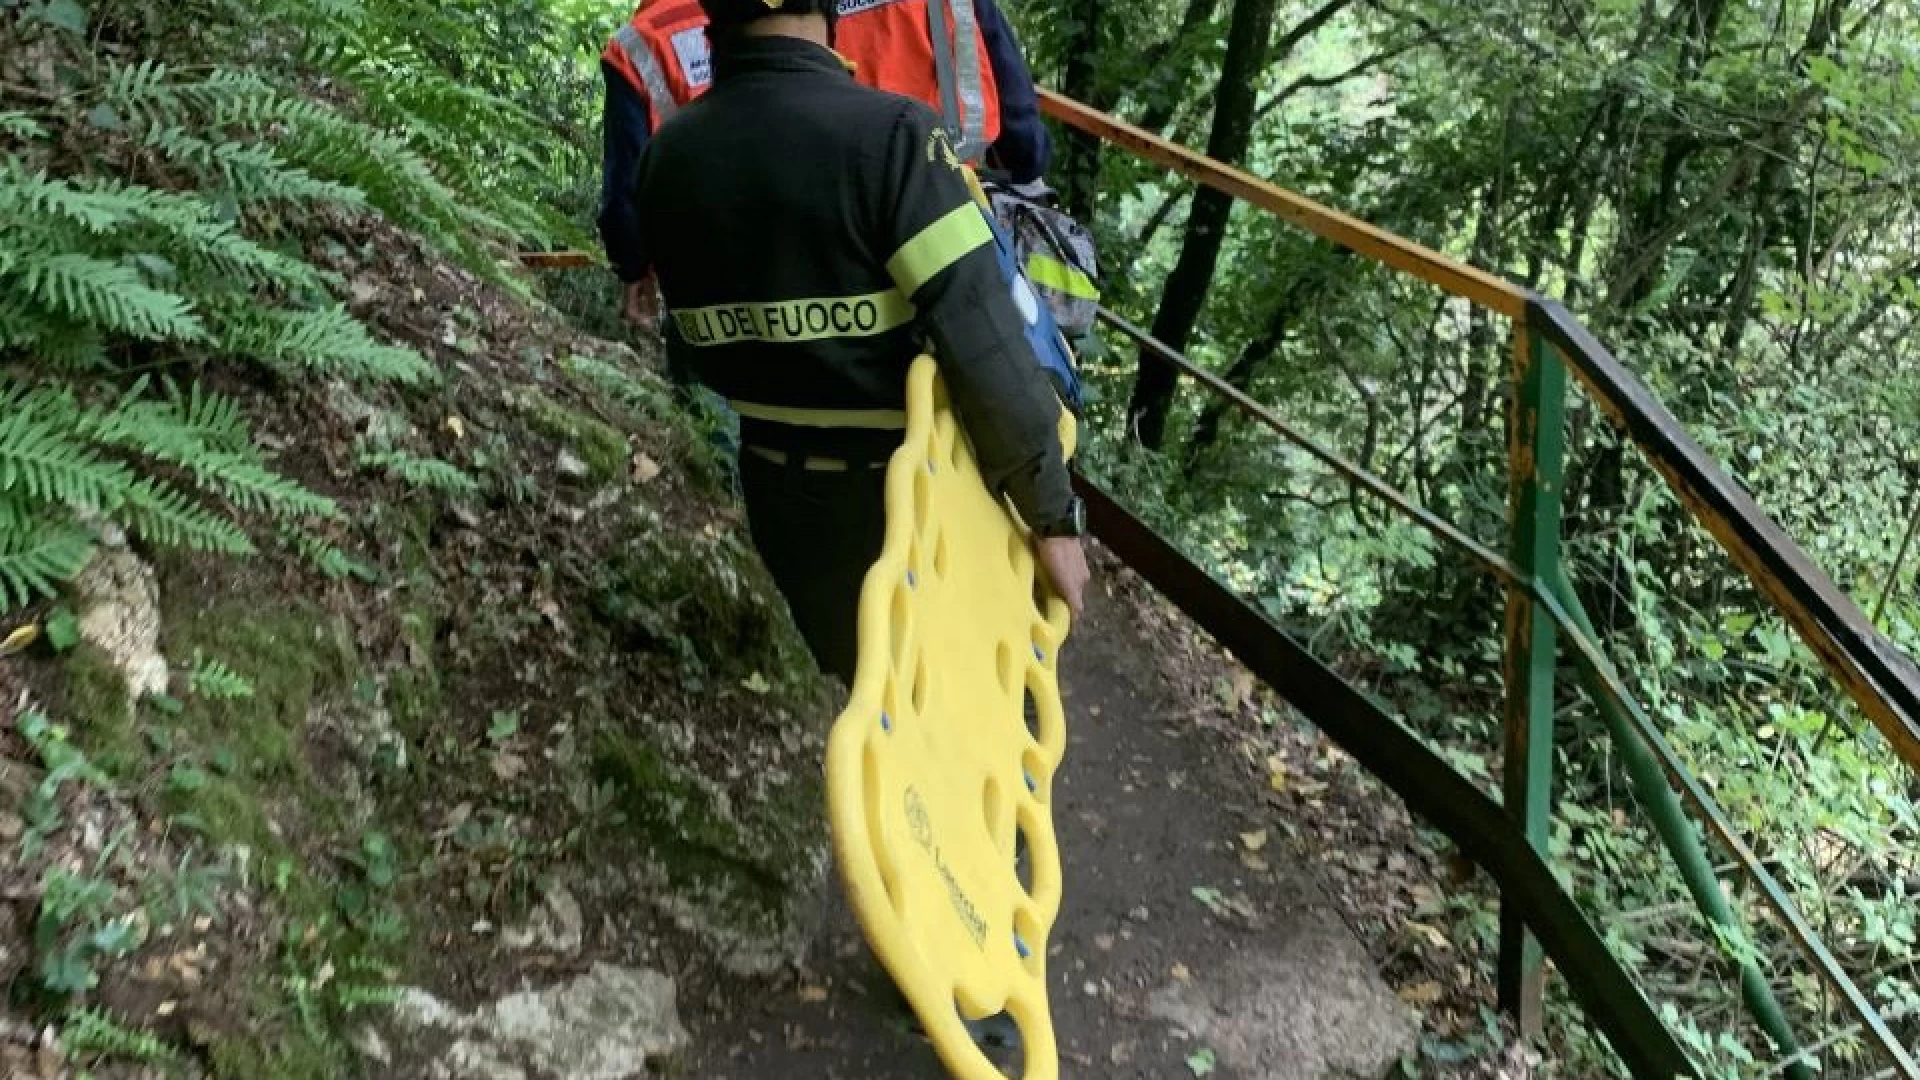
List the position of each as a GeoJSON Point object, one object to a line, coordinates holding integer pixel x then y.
{"type": "Point", "coordinates": [657, 63]}
{"type": "Point", "coordinates": [959, 57]}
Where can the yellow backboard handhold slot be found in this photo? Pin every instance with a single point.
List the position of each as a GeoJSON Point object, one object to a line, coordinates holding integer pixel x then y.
{"type": "Point", "coordinates": [932, 770]}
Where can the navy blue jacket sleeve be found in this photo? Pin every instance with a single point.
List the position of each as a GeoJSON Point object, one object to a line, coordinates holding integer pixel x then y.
{"type": "Point", "coordinates": [627, 125]}
{"type": "Point", "coordinates": [1023, 148]}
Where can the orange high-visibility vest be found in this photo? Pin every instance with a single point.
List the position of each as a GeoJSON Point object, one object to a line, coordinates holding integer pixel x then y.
{"type": "Point", "coordinates": [932, 50]}
{"type": "Point", "coordinates": [663, 54]}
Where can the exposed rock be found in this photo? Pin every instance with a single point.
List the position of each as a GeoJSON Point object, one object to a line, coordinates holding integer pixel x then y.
{"type": "Point", "coordinates": [469, 1060]}
{"type": "Point", "coordinates": [1312, 1008]}
{"type": "Point", "coordinates": [120, 613]}
{"type": "Point", "coordinates": [609, 1024]}
{"type": "Point", "coordinates": [555, 926]}
{"type": "Point", "coordinates": [372, 1046]}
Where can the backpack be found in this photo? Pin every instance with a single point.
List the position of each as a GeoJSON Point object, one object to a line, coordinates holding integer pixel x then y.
{"type": "Point", "coordinates": [1056, 252]}
{"type": "Point", "coordinates": [1042, 329]}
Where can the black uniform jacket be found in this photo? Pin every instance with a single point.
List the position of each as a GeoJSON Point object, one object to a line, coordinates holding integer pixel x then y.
{"type": "Point", "coordinates": [812, 237]}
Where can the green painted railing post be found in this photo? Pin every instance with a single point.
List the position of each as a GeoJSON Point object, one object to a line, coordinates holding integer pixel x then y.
{"type": "Point", "coordinates": [1536, 450]}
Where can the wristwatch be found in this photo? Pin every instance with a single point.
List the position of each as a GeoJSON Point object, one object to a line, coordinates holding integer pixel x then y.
{"type": "Point", "coordinates": [1074, 524]}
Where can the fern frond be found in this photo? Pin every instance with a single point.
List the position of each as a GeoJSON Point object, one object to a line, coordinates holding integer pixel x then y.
{"type": "Point", "coordinates": [36, 554]}
{"type": "Point", "coordinates": [109, 294]}
{"type": "Point", "coordinates": [215, 418]}
{"type": "Point", "coordinates": [329, 342]}
{"type": "Point", "coordinates": [98, 207]}
{"type": "Point", "coordinates": [167, 517]}
{"type": "Point", "coordinates": [158, 430]}
{"type": "Point", "coordinates": [324, 556]}
{"type": "Point", "coordinates": [140, 90]}
{"type": "Point", "coordinates": [638, 391]}
{"type": "Point", "coordinates": [39, 459]}
{"type": "Point", "coordinates": [214, 680]}
{"type": "Point", "coordinates": [422, 472]}
{"type": "Point", "coordinates": [221, 248]}
{"type": "Point", "coordinates": [95, 1033]}
{"type": "Point", "coordinates": [249, 171]}
{"type": "Point", "coordinates": [18, 125]}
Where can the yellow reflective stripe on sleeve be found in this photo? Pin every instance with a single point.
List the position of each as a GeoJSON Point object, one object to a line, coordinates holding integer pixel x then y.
{"type": "Point", "coordinates": [787, 321]}
{"type": "Point", "coordinates": [874, 419]}
{"type": "Point", "coordinates": [938, 246]}
{"type": "Point", "coordinates": [1050, 273]}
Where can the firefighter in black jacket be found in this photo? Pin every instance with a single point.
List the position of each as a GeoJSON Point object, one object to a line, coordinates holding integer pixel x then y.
{"type": "Point", "coordinates": [812, 237]}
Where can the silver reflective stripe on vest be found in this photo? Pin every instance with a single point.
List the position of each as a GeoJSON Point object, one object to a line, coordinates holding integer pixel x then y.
{"type": "Point", "coordinates": [973, 96]}
{"type": "Point", "coordinates": [644, 62]}
{"type": "Point", "coordinates": [940, 31]}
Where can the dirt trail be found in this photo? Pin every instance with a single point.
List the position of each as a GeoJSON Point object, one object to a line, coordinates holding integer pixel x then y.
{"type": "Point", "coordinates": [1178, 951]}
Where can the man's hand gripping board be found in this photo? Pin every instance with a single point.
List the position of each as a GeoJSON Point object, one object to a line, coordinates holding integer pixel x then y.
{"type": "Point", "coordinates": [932, 770]}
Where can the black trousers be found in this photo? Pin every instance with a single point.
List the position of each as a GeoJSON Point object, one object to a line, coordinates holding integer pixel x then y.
{"type": "Point", "coordinates": [819, 533]}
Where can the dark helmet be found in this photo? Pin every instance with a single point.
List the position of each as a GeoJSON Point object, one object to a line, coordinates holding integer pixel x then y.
{"type": "Point", "coordinates": [726, 15]}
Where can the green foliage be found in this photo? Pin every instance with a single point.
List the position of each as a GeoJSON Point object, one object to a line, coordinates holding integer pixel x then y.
{"type": "Point", "coordinates": [1724, 193]}
{"type": "Point", "coordinates": [178, 238]}
{"type": "Point", "coordinates": [214, 679]}
{"type": "Point", "coordinates": [64, 764]}
{"type": "Point", "coordinates": [428, 474]}
{"type": "Point", "coordinates": [66, 464]}
{"type": "Point", "coordinates": [73, 931]}
{"type": "Point", "coordinates": [93, 1034]}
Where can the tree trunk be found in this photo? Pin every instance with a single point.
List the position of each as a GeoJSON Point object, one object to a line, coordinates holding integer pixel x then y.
{"type": "Point", "coordinates": [1232, 133]}
{"type": "Point", "coordinates": [1080, 164]}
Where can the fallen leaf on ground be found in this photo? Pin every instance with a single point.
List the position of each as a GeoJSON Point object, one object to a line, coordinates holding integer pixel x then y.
{"type": "Point", "coordinates": [1255, 840]}
{"type": "Point", "coordinates": [1201, 1062]}
{"type": "Point", "coordinates": [1180, 973]}
{"type": "Point", "coordinates": [1276, 772]}
{"type": "Point", "coordinates": [813, 995]}
{"type": "Point", "coordinates": [20, 639]}
{"type": "Point", "coordinates": [1421, 993]}
{"type": "Point", "coordinates": [645, 468]}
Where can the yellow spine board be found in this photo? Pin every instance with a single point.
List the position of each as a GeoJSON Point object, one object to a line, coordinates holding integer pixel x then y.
{"type": "Point", "coordinates": [932, 770]}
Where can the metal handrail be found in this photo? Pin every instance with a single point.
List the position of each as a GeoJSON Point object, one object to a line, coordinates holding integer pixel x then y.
{"type": "Point", "coordinates": [1613, 690]}
{"type": "Point", "coordinates": [1880, 681]}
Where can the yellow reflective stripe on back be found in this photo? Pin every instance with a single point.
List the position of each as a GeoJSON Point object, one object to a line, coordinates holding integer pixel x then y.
{"type": "Point", "coordinates": [788, 321]}
{"type": "Point", "coordinates": [875, 419]}
{"type": "Point", "coordinates": [1050, 273]}
{"type": "Point", "coordinates": [938, 246]}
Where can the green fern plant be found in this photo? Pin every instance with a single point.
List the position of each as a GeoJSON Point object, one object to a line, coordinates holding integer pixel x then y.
{"type": "Point", "coordinates": [214, 680]}
{"type": "Point", "coordinates": [645, 394]}
{"type": "Point", "coordinates": [323, 555]}
{"type": "Point", "coordinates": [65, 464]}
{"type": "Point", "coordinates": [177, 243]}
{"type": "Point", "coordinates": [95, 1034]}
{"type": "Point", "coordinates": [430, 474]}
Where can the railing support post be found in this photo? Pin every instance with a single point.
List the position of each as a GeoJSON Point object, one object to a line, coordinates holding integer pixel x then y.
{"type": "Point", "coordinates": [1536, 450]}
